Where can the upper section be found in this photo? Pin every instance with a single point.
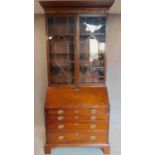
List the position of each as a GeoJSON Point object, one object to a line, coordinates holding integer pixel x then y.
{"type": "Point", "coordinates": [76, 98]}
{"type": "Point", "coordinates": [76, 6]}
{"type": "Point", "coordinates": [76, 41]}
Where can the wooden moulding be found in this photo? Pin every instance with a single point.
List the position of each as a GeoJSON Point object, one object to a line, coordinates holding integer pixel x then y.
{"type": "Point", "coordinates": [77, 6]}
{"type": "Point", "coordinates": [77, 3]}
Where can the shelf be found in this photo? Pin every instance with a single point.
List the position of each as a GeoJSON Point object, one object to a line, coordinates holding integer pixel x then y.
{"type": "Point", "coordinates": [51, 35]}
{"type": "Point", "coordinates": [61, 53]}
{"type": "Point", "coordinates": [91, 67]}
{"type": "Point", "coordinates": [62, 66]}
{"type": "Point", "coordinates": [81, 53]}
{"type": "Point", "coordinates": [95, 34]}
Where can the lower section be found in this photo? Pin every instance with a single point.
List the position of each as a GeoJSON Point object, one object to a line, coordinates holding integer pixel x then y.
{"type": "Point", "coordinates": [105, 147]}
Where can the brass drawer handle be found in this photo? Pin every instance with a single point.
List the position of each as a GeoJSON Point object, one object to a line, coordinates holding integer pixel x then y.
{"type": "Point", "coordinates": [61, 126]}
{"type": "Point", "coordinates": [93, 111]}
{"type": "Point", "coordinates": [60, 118]}
{"type": "Point", "coordinates": [92, 137]}
{"type": "Point", "coordinates": [60, 112]}
{"type": "Point", "coordinates": [93, 117]}
{"type": "Point", "coordinates": [61, 137]}
{"type": "Point", "coordinates": [93, 126]}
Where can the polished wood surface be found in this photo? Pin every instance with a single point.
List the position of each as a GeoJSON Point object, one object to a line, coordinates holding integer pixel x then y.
{"type": "Point", "coordinates": [77, 118]}
{"type": "Point", "coordinates": [80, 117]}
{"type": "Point", "coordinates": [77, 126]}
{"type": "Point", "coordinates": [73, 137]}
{"type": "Point", "coordinates": [79, 111]}
{"type": "Point", "coordinates": [76, 97]}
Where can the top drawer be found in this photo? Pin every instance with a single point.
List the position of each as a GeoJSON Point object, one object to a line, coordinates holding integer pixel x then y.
{"type": "Point", "coordinates": [94, 111]}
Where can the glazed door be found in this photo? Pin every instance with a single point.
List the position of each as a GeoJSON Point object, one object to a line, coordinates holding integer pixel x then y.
{"type": "Point", "coordinates": [92, 49]}
{"type": "Point", "coordinates": [61, 49]}
{"type": "Point", "coordinates": [76, 49]}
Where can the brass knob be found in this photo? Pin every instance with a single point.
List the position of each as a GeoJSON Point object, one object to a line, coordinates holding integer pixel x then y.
{"type": "Point", "coordinates": [93, 126]}
{"type": "Point", "coordinates": [61, 137]}
{"type": "Point", "coordinates": [77, 111]}
{"type": "Point", "coordinates": [61, 126]}
{"type": "Point", "coordinates": [93, 117]}
{"type": "Point", "coordinates": [93, 111]}
{"type": "Point", "coordinates": [60, 118]}
{"type": "Point", "coordinates": [92, 137]}
{"type": "Point", "coordinates": [60, 112]}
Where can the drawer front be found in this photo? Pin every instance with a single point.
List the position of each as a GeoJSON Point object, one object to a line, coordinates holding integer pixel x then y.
{"type": "Point", "coordinates": [73, 137]}
{"type": "Point", "coordinates": [77, 126]}
{"type": "Point", "coordinates": [94, 111]}
{"type": "Point", "coordinates": [76, 118]}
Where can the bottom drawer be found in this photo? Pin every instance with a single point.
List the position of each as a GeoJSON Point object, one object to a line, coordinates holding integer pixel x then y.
{"type": "Point", "coordinates": [78, 137]}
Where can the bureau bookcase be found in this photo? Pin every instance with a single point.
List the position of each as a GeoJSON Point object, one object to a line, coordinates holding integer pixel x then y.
{"type": "Point", "coordinates": [77, 103]}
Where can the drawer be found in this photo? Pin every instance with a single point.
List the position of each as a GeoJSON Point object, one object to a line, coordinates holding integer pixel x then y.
{"type": "Point", "coordinates": [78, 137]}
{"type": "Point", "coordinates": [91, 111]}
{"type": "Point", "coordinates": [76, 118]}
{"type": "Point", "coordinates": [77, 126]}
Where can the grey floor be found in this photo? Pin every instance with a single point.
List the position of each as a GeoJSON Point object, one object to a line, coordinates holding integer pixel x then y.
{"type": "Point", "coordinates": [114, 142]}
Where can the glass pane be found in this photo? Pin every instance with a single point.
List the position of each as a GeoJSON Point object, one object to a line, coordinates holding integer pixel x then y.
{"type": "Point", "coordinates": [92, 49]}
{"type": "Point", "coordinates": [61, 49]}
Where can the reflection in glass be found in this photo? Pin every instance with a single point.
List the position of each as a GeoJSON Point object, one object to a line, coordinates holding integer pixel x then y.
{"type": "Point", "coordinates": [92, 49]}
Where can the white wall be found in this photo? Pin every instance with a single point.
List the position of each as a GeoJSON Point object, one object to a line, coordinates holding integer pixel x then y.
{"type": "Point", "coordinates": [40, 74]}
{"type": "Point", "coordinates": [114, 65]}
{"type": "Point", "coordinates": [114, 80]}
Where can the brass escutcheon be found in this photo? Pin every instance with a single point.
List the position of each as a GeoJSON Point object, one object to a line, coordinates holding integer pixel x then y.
{"type": "Point", "coordinates": [61, 137]}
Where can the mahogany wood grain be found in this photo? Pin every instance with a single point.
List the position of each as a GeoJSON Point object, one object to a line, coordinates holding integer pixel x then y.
{"type": "Point", "coordinates": [83, 98]}
{"type": "Point", "coordinates": [77, 126]}
{"type": "Point", "coordinates": [77, 118]}
{"type": "Point", "coordinates": [79, 111]}
{"type": "Point", "coordinates": [76, 49]}
{"type": "Point", "coordinates": [74, 11]}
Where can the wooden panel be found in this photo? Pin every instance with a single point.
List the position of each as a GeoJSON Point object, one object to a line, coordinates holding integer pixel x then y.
{"type": "Point", "coordinates": [73, 97]}
{"type": "Point", "coordinates": [90, 111]}
{"type": "Point", "coordinates": [77, 126]}
{"type": "Point", "coordinates": [74, 137]}
{"type": "Point", "coordinates": [66, 11]}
